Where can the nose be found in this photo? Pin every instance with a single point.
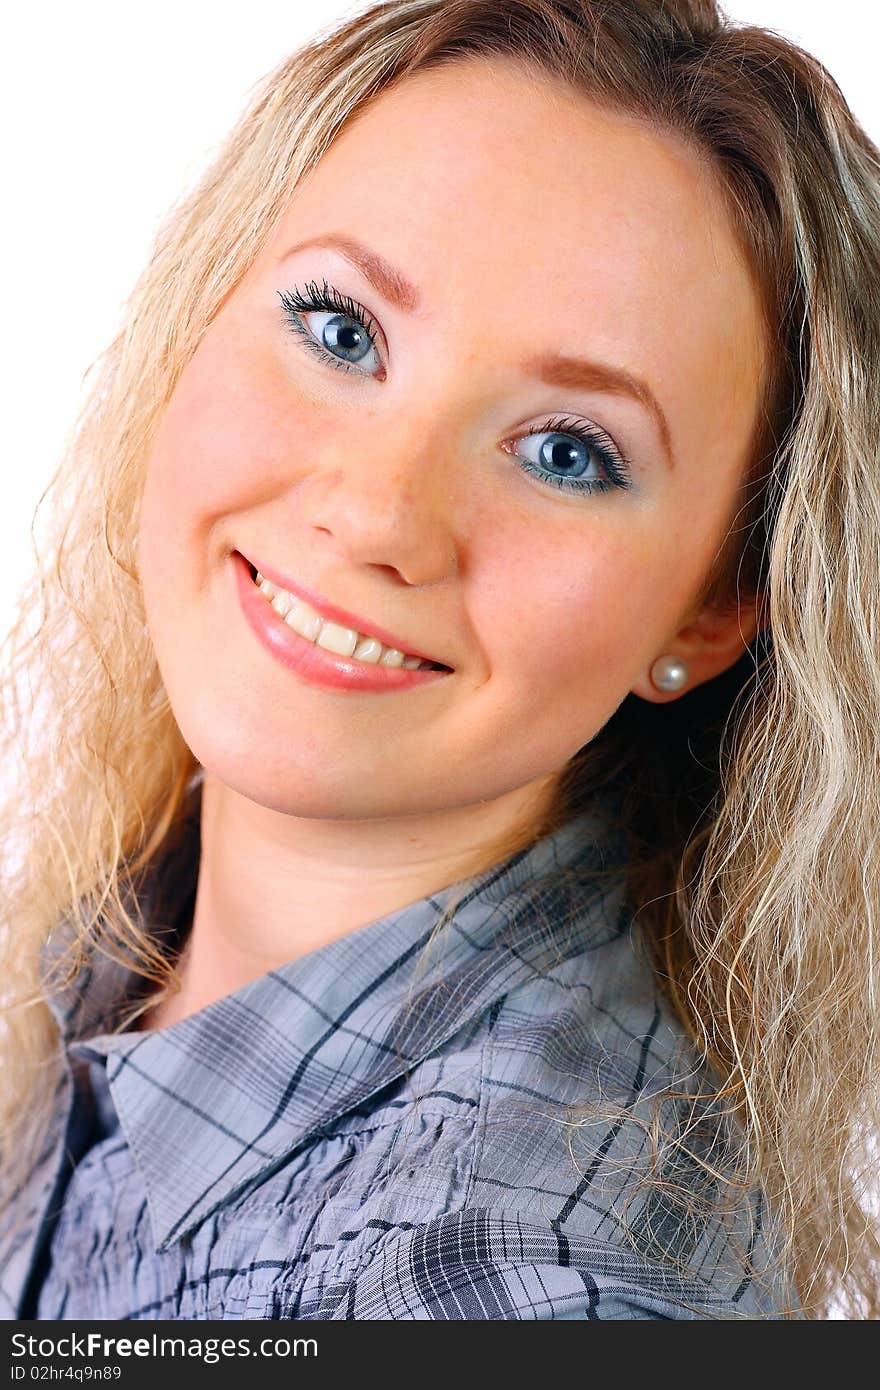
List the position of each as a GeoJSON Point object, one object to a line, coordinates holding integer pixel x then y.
{"type": "Point", "coordinates": [383, 503]}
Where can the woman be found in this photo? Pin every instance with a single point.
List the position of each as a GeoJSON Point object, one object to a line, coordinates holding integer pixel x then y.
{"type": "Point", "coordinates": [459, 809]}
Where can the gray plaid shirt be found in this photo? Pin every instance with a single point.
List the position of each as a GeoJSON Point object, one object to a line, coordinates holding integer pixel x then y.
{"type": "Point", "coordinates": [370, 1131]}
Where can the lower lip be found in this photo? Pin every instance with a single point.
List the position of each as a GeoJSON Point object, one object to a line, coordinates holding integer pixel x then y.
{"type": "Point", "coordinates": [315, 664]}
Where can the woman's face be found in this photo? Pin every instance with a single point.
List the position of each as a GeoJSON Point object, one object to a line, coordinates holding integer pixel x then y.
{"type": "Point", "coordinates": [414, 482]}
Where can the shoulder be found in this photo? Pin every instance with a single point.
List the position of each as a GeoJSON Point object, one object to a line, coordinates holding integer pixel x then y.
{"type": "Point", "coordinates": [481, 1264]}
{"type": "Point", "coordinates": [514, 1183]}
{"type": "Point", "coordinates": [577, 1070]}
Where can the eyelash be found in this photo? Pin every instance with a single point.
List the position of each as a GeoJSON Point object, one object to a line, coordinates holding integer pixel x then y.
{"type": "Point", "coordinates": [326, 298]}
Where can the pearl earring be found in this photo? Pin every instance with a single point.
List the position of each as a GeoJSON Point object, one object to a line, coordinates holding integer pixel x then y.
{"type": "Point", "coordinates": [669, 673]}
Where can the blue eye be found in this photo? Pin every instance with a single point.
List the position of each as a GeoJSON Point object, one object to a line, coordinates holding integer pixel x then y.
{"type": "Point", "coordinates": [574, 459]}
{"type": "Point", "coordinates": [346, 344]}
{"type": "Point", "coordinates": [342, 344]}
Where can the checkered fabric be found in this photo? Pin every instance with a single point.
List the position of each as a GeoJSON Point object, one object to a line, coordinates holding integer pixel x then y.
{"type": "Point", "coordinates": [384, 1127]}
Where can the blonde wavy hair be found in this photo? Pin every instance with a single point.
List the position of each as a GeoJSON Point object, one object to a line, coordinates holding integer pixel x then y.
{"type": "Point", "coordinates": [751, 804]}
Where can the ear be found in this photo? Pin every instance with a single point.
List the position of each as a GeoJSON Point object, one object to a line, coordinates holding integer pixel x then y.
{"type": "Point", "coordinates": [709, 643]}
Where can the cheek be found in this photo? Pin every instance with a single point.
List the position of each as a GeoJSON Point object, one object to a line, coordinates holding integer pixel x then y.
{"type": "Point", "coordinates": [577, 622]}
{"type": "Point", "coordinates": [225, 437]}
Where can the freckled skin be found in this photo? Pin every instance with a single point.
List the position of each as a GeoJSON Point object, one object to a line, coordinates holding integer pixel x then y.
{"type": "Point", "coordinates": [531, 221]}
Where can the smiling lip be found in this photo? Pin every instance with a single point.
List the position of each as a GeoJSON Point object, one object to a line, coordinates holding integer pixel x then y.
{"type": "Point", "coordinates": [315, 664]}
{"type": "Point", "coordinates": [338, 615]}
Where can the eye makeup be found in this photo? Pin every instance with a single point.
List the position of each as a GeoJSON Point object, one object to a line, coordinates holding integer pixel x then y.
{"type": "Point", "coordinates": [616, 468]}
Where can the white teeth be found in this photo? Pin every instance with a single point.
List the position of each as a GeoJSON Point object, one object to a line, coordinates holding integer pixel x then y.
{"type": "Point", "coordinates": [304, 620]}
{"type": "Point", "coordinates": [391, 658]}
{"type": "Point", "coordinates": [282, 603]}
{"type": "Point", "coordinates": [333, 637]}
{"type": "Point", "coordinates": [368, 649]}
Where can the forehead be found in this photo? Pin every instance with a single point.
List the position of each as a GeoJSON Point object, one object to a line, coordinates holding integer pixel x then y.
{"type": "Point", "coordinates": [580, 227]}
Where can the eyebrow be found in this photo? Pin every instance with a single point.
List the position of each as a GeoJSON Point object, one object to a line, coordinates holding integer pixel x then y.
{"type": "Point", "coordinates": [554, 369]}
{"type": "Point", "coordinates": [383, 276]}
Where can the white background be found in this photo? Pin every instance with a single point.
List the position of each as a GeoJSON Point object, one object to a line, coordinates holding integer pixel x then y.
{"type": "Point", "coordinates": [108, 111]}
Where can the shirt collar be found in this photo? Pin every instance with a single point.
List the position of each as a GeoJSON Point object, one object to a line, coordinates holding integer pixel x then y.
{"type": "Point", "coordinates": [212, 1103]}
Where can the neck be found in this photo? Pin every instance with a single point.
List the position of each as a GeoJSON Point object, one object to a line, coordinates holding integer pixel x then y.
{"type": "Point", "coordinates": [273, 887]}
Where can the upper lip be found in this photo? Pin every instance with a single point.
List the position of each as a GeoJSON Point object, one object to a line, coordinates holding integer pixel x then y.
{"type": "Point", "coordinates": [337, 614]}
